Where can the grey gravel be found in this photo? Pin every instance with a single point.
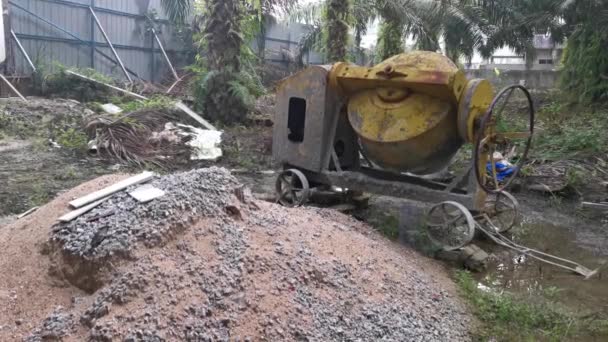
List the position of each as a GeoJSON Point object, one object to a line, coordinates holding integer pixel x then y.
{"type": "Point", "coordinates": [57, 325]}
{"type": "Point", "coordinates": [218, 281]}
{"type": "Point", "coordinates": [189, 195]}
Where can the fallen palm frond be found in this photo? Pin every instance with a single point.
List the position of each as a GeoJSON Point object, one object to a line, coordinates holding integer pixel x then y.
{"type": "Point", "coordinates": [141, 137]}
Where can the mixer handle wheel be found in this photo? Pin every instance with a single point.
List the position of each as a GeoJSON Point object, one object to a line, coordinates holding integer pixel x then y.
{"type": "Point", "coordinates": [489, 139]}
{"type": "Point", "coordinates": [292, 188]}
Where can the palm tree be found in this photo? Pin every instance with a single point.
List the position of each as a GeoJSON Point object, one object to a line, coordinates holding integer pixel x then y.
{"type": "Point", "coordinates": [585, 61]}
{"type": "Point", "coordinates": [227, 90]}
{"type": "Point", "coordinates": [338, 12]}
{"type": "Point", "coordinates": [514, 23]}
{"type": "Point", "coordinates": [330, 22]}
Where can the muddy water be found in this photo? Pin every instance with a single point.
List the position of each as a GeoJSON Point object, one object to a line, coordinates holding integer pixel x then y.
{"type": "Point", "coordinates": [584, 243]}
{"type": "Point", "coordinates": [31, 175]}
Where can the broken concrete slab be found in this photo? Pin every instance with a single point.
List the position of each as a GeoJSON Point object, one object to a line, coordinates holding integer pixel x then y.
{"type": "Point", "coordinates": [111, 108]}
{"type": "Point", "coordinates": [204, 142]}
{"type": "Point", "coordinates": [146, 193]}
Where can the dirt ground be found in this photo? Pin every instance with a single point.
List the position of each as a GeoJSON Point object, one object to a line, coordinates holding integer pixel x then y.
{"type": "Point", "coordinates": [270, 273]}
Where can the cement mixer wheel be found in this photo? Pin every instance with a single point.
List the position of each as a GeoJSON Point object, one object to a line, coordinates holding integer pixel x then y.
{"type": "Point", "coordinates": [490, 140]}
{"type": "Point", "coordinates": [292, 188]}
{"type": "Point", "coordinates": [502, 211]}
{"type": "Point", "coordinates": [450, 225]}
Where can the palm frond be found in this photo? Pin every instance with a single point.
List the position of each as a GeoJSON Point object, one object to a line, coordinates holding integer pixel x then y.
{"type": "Point", "coordinates": [308, 42]}
{"type": "Point", "coordinates": [309, 14]}
{"type": "Point", "coordinates": [177, 10]}
{"type": "Point", "coordinates": [138, 138]}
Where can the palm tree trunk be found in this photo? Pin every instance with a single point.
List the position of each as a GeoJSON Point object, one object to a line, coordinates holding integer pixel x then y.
{"type": "Point", "coordinates": [222, 34]}
{"type": "Point", "coordinates": [337, 29]}
{"type": "Point", "coordinates": [390, 39]}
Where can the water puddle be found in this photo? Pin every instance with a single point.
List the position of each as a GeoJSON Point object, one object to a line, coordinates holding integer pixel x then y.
{"type": "Point", "coordinates": [528, 277]}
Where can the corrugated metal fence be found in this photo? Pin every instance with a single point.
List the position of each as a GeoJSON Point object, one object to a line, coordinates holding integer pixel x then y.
{"type": "Point", "coordinates": [76, 41]}
{"type": "Point", "coordinates": [65, 32]}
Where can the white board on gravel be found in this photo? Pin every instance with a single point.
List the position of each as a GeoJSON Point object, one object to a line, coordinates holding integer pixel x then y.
{"type": "Point", "coordinates": [146, 193]}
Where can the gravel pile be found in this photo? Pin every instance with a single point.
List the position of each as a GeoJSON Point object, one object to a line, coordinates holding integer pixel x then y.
{"type": "Point", "coordinates": [244, 270]}
{"type": "Point", "coordinates": [56, 326]}
{"type": "Point", "coordinates": [114, 227]}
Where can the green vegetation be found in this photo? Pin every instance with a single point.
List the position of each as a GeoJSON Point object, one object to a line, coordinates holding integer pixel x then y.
{"type": "Point", "coordinates": [12, 126]}
{"type": "Point", "coordinates": [129, 105]}
{"type": "Point", "coordinates": [60, 84]}
{"type": "Point", "coordinates": [562, 135]}
{"type": "Point", "coordinates": [227, 82]}
{"type": "Point", "coordinates": [388, 225]}
{"type": "Point", "coordinates": [72, 138]}
{"type": "Point", "coordinates": [585, 61]}
{"type": "Point", "coordinates": [39, 195]}
{"type": "Point", "coordinates": [390, 40]}
{"type": "Point", "coordinates": [508, 318]}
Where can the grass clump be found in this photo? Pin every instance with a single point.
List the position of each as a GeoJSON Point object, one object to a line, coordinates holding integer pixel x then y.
{"type": "Point", "coordinates": [388, 225]}
{"type": "Point", "coordinates": [53, 80]}
{"type": "Point", "coordinates": [157, 102]}
{"type": "Point", "coordinates": [72, 138]}
{"type": "Point", "coordinates": [570, 132]}
{"type": "Point", "coordinates": [504, 317]}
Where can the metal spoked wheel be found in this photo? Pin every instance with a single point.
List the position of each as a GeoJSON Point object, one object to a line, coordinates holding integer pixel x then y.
{"type": "Point", "coordinates": [450, 225]}
{"type": "Point", "coordinates": [502, 211]}
{"type": "Point", "coordinates": [509, 135]}
{"type": "Point", "coordinates": [292, 188]}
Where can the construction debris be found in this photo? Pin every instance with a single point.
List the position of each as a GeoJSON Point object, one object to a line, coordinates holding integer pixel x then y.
{"type": "Point", "coordinates": [111, 108]}
{"type": "Point", "coordinates": [124, 91]}
{"type": "Point", "coordinates": [205, 143]}
{"type": "Point", "coordinates": [180, 105]}
{"type": "Point", "coordinates": [141, 137]}
{"type": "Point", "coordinates": [12, 87]}
{"type": "Point", "coordinates": [602, 206]}
{"type": "Point", "coordinates": [79, 212]}
{"type": "Point", "coordinates": [24, 214]}
{"type": "Point", "coordinates": [146, 193]}
{"type": "Point", "coordinates": [142, 177]}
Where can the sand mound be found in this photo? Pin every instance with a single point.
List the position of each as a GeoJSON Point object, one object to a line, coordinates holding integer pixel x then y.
{"type": "Point", "coordinates": [207, 262]}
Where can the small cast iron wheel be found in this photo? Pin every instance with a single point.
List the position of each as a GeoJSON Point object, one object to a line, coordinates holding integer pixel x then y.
{"type": "Point", "coordinates": [494, 136]}
{"type": "Point", "coordinates": [450, 225]}
{"type": "Point", "coordinates": [503, 211]}
{"type": "Point", "coordinates": [292, 188]}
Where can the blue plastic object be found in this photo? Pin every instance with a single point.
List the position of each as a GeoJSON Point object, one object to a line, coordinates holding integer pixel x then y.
{"type": "Point", "coordinates": [503, 170]}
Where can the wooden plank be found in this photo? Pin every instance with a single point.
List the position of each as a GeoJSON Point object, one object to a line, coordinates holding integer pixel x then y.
{"type": "Point", "coordinates": [78, 212]}
{"type": "Point", "coordinates": [596, 206]}
{"type": "Point", "coordinates": [27, 212]}
{"type": "Point", "coordinates": [107, 85]}
{"type": "Point", "coordinates": [140, 178]}
{"type": "Point", "coordinates": [10, 85]}
{"type": "Point", "coordinates": [181, 106]}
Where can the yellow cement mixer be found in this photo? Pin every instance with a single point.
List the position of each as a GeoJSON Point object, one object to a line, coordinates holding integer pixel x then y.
{"type": "Point", "coordinates": [382, 129]}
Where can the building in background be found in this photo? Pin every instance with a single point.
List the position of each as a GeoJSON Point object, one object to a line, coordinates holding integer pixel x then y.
{"type": "Point", "coordinates": [547, 56]}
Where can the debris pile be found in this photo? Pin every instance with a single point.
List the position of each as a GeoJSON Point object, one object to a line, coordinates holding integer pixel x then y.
{"type": "Point", "coordinates": [207, 262]}
{"type": "Point", "coordinates": [118, 223]}
{"type": "Point", "coordinates": [151, 137]}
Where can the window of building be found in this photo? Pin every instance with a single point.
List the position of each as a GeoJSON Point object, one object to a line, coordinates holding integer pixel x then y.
{"type": "Point", "coordinates": [545, 61]}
